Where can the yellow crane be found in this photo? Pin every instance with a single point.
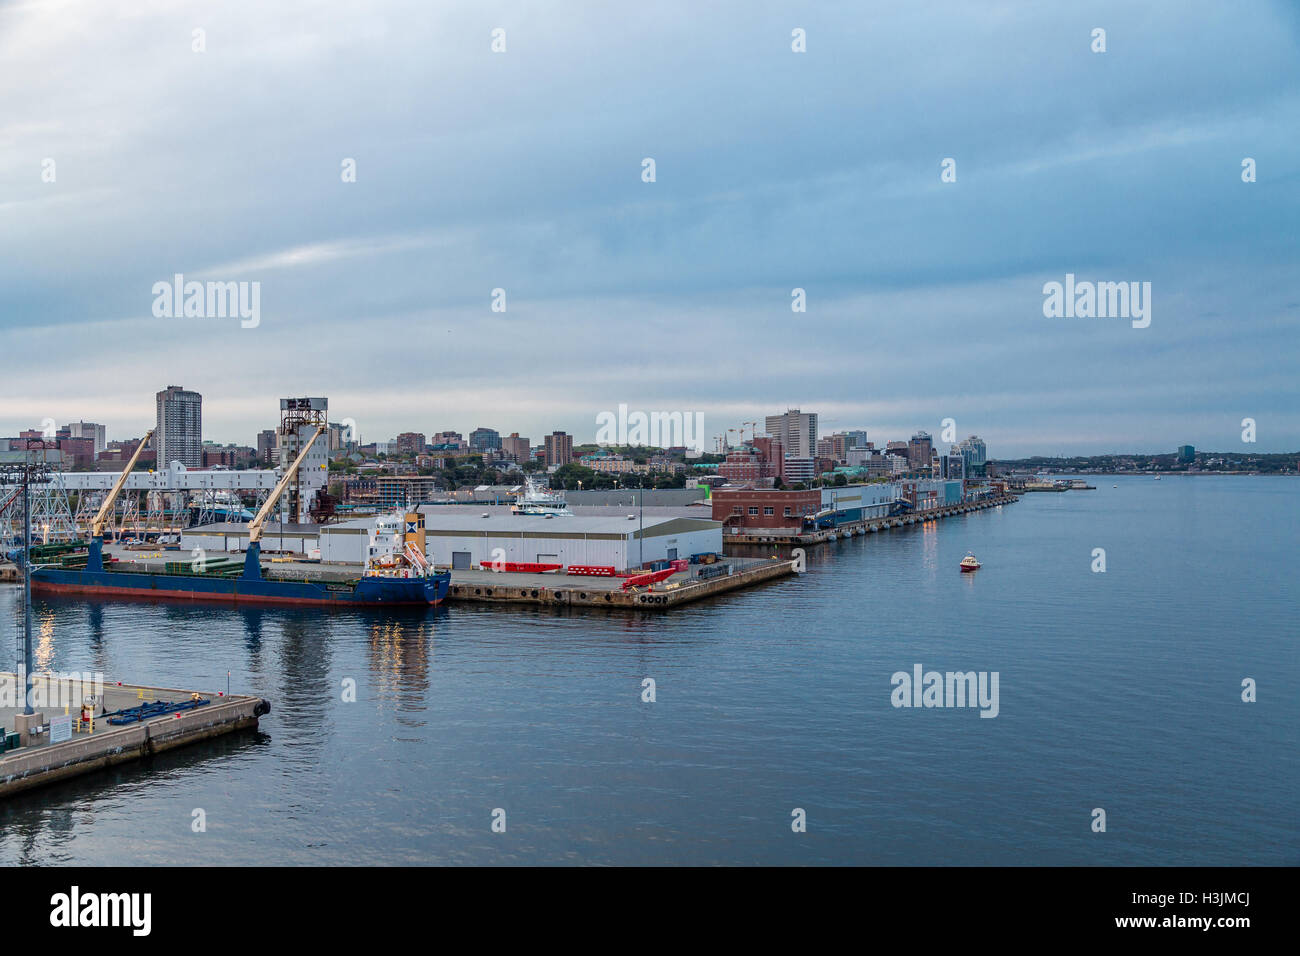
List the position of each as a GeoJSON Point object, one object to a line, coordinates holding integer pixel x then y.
{"type": "Point", "coordinates": [95, 557]}
{"type": "Point", "coordinates": [253, 558]}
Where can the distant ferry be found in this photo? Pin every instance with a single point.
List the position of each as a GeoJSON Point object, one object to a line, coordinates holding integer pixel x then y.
{"type": "Point", "coordinates": [970, 562]}
{"type": "Point", "coordinates": [537, 499]}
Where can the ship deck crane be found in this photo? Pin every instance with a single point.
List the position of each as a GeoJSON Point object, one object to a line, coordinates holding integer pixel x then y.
{"type": "Point", "coordinates": [253, 558]}
{"type": "Point", "coordinates": [95, 554]}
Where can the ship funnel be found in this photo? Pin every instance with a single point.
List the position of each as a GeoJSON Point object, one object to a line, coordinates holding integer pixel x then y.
{"type": "Point", "coordinates": [413, 531]}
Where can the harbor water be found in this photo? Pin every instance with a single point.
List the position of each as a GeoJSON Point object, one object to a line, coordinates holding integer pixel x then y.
{"type": "Point", "coordinates": [1118, 690]}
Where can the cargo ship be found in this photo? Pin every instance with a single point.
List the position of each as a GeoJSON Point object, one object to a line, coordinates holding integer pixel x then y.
{"type": "Point", "coordinates": [396, 571]}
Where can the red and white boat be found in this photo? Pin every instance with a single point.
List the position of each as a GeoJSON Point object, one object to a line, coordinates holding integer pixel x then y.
{"type": "Point", "coordinates": [970, 562]}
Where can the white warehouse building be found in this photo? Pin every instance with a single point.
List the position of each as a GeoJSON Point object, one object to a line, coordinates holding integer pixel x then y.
{"type": "Point", "coordinates": [463, 540]}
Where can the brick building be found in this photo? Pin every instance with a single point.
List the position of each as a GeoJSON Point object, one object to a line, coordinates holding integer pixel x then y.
{"type": "Point", "coordinates": [763, 508]}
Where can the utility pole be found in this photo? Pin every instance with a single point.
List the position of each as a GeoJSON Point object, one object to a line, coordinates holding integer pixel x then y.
{"type": "Point", "coordinates": [27, 596]}
{"type": "Point", "coordinates": [25, 473]}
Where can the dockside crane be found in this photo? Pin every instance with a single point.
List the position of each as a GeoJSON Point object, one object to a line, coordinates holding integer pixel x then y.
{"type": "Point", "coordinates": [253, 558]}
{"type": "Point", "coordinates": [95, 554]}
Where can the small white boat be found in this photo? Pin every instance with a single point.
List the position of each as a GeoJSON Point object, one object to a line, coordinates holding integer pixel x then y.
{"type": "Point", "coordinates": [970, 562]}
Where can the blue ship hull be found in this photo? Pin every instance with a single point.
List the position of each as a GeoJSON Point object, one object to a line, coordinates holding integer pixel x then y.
{"type": "Point", "coordinates": [366, 591]}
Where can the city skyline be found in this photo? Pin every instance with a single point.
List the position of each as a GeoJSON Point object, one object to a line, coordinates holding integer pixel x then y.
{"type": "Point", "coordinates": [876, 436]}
{"type": "Point", "coordinates": [923, 298]}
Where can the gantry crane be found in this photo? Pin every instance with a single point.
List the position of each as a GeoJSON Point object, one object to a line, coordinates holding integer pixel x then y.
{"type": "Point", "coordinates": [95, 555]}
{"type": "Point", "coordinates": [253, 558]}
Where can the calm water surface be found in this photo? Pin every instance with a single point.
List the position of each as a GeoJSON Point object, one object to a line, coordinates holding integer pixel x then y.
{"type": "Point", "coordinates": [1118, 690]}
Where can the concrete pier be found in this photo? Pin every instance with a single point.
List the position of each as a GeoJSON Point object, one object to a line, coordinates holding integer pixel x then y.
{"type": "Point", "coordinates": [574, 591]}
{"type": "Point", "coordinates": [869, 526]}
{"type": "Point", "coordinates": [40, 761]}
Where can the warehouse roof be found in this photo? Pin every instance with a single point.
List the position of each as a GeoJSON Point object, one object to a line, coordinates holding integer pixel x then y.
{"type": "Point", "coordinates": [440, 519]}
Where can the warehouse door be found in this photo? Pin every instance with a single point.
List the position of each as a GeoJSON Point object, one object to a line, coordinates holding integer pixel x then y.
{"type": "Point", "coordinates": [460, 561]}
{"type": "Point", "coordinates": [548, 559]}
{"type": "Point", "coordinates": [672, 554]}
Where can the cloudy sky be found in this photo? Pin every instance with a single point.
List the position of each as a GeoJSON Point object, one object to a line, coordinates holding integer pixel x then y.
{"type": "Point", "coordinates": [774, 170]}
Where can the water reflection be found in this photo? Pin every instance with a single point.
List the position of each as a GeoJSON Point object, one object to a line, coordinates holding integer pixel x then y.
{"type": "Point", "coordinates": [399, 650]}
{"type": "Point", "coordinates": [306, 691]}
{"type": "Point", "coordinates": [43, 651]}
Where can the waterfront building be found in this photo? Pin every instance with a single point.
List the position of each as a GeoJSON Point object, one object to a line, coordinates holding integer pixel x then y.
{"type": "Point", "coordinates": [1186, 454]}
{"type": "Point", "coordinates": [178, 430]}
{"type": "Point", "coordinates": [764, 508]}
{"type": "Point", "coordinates": [462, 541]}
{"type": "Point", "coordinates": [748, 510]}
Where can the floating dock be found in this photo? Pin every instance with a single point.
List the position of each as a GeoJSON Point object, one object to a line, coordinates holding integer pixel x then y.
{"type": "Point", "coordinates": [176, 718]}
{"type": "Point", "coordinates": [776, 536]}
